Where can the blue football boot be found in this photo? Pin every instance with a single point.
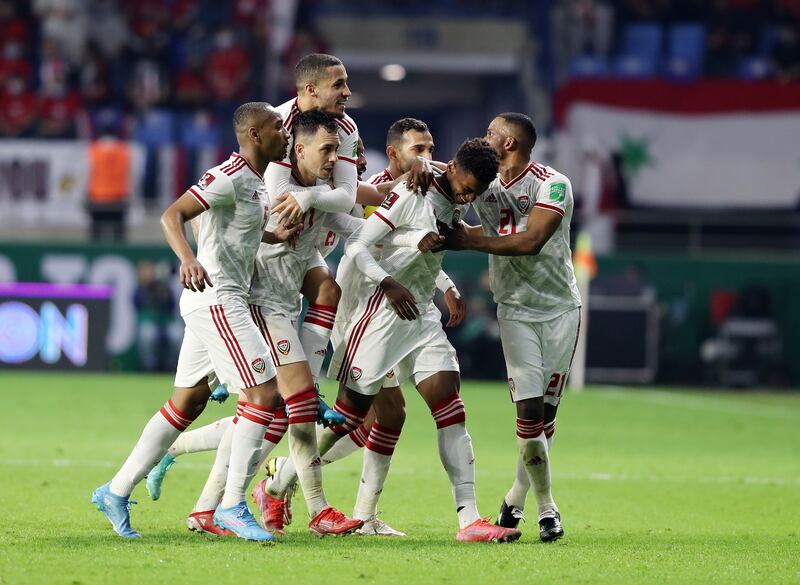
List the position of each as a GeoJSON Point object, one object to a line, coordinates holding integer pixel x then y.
{"type": "Point", "coordinates": [326, 416]}
{"type": "Point", "coordinates": [220, 394]}
{"type": "Point", "coordinates": [156, 476]}
{"type": "Point", "coordinates": [241, 522]}
{"type": "Point", "coordinates": [117, 509]}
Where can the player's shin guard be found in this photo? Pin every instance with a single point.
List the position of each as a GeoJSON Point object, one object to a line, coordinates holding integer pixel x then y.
{"type": "Point", "coordinates": [315, 334]}
{"type": "Point", "coordinates": [302, 408]}
{"type": "Point", "coordinates": [248, 434]}
{"type": "Point", "coordinates": [275, 432]}
{"type": "Point", "coordinates": [377, 458]}
{"type": "Point", "coordinates": [206, 438]}
{"type": "Point", "coordinates": [346, 445]}
{"type": "Point", "coordinates": [533, 450]}
{"type": "Point", "coordinates": [457, 456]}
{"type": "Point", "coordinates": [158, 434]}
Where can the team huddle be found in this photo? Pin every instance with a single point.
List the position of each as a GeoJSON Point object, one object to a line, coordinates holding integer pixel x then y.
{"type": "Point", "coordinates": [264, 221]}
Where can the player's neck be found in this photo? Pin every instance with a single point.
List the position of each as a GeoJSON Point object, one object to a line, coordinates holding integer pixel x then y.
{"type": "Point", "coordinates": [512, 166]}
{"type": "Point", "coordinates": [252, 157]}
{"type": "Point", "coordinates": [394, 170]}
{"type": "Point", "coordinates": [305, 103]}
{"type": "Point", "coordinates": [443, 181]}
{"type": "Point", "coordinates": [303, 176]}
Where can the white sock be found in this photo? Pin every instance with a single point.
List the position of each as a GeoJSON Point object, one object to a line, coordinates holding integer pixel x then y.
{"type": "Point", "coordinates": [248, 434]}
{"type": "Point", "coordinates": [533, 450]}
{"type": "Point", "coordinates": [158, 434]}
{"type": "Point", "coordinates": [315, 333]}
{"type": "Point", "coordinates": [377, 458]}
{"type": "Point", "coordinates": [275, 432]}
{"type": "Point", "coordinates": [519, 490]}
{"type": "Point", "coordinates": [549, 431]}
{"type": "Point", "coordinates": [457, 456]}
{"type": "Point", "coordinates": [212, 492]}
{"type": "Point", "coordinates": [302, 408]}
{"type": "Point", "coordinates": [205, 438]}
{"type": "Point", "coordinates": [346, 446]}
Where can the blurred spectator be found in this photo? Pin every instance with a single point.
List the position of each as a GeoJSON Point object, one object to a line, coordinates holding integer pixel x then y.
{"type": "Point", "coordinates": [109, 186]}
{"type": "Point", "coordinates": [60, 114]}
{"type": "Point", "coordinates": [20, 109]}
{"type": "Point", "coordinates": [785, 53]}
{"type": "Point", "coordinates": [65, 21]}
{"type": "Point", "coordinates": [14, 61]}
{"type": "Point", "coordinates": [229, 68]}
{"type": "Point", "coordinates": [192, 87]}
{"type": "Point", "coordinates": [581, 28]}
{"type": "Point", "coordinates": [157, 335]}
{"type": "Point", "coordinates": [54, 70]}
{"type": "Point", "coordinates": [733, 27]}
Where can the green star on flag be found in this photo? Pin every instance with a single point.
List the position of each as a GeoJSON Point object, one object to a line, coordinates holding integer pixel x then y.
{"type": "Point", "coordinates": [635, 155]}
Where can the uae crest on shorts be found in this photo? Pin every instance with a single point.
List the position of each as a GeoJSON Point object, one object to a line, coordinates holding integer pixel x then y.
{"type": "Point", "coordinates": [259, 365]}
{"type": "Point", "coordinates": [355, 374]}
{"type": "Point", "coordinates": [523, 204]}
{"type": "Point", "coordinates": [284, 346]}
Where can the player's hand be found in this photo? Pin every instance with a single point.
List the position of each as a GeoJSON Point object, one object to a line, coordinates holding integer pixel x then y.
{"type": "Point", "coordinates": [288, 209]}
{"type": "Point", "coordinates": [432, 241]}
{"type": "Point", "coordinates": [420, 175]}
{"type": "Point", "coordinates": [455, 306]}
{"type": "Point", "coordinates": [455, 238]}
{"type": "Point", "coordinates": [401, 299]}
{"type": "Point", "coordinates": [290, 235]}
{"type": "Point", "coordinates": [193, 276]}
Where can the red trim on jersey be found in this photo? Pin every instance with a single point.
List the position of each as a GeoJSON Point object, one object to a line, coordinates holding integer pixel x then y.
{"type": "Point", "coordinates": [384, 177]}
{"type": "Point", "coordinates": [283, 164]}
{"type": "Point", "coordinates": [287, 123]}
{"type": "Point", "coordinates": [197, 196]}
{"type": "Point", "coordinates": [350, 160]}
{"type": "Point", "coordinates": [346, 125]}
{"type": "Point", "coordinates": [355, 337]}
{"type": "Point", "coordinates": [232, 168]}
{"type": "Point", "coordinates": [540, 172]}
{"type": "Point", "coordinates": [517, 178]}
{"type": "Point", "coordinates": [234, 349]}
{"type": "Point", "coordinates": [551, 208]}
{"type": "Point", "coordinates": [247, 162]}
{"type": "Point", "coordinates": [441, 191]}
{"type": "Point", "coordinates": [389, 223]}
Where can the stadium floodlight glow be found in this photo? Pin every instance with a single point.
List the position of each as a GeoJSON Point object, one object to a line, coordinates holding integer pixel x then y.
{"type": "Point", "coordinates": [393, 72]}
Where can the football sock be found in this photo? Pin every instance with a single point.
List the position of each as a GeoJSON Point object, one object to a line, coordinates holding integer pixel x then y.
{"type": "Point", "coordinates": [315, 333]}
{"type": "Point", "coordinates": [302, 408]}
{"type": "Point", "coordinates": [377, 458]}
{"type": "Point", "coordinates": [275, 431]}
{"type": "Point", "coordinates": [205, 438]}
{"type": "Point", "coordinates": [327, 437]}
{"type": "Point", "coordinates": [248, 434]}
{"type": "Point", "coordinates": [549, 431]}
{"type": "Point", "coordinates": [533, 450]}
{"type": "Point", "coordinates": [214, 487]}
{"type": "Point", "coordinates": [519, 490]}
{"type": "Point", "coordinates": [158, 434]}
{"type": "Point", "coordinates": [457, 456]}
{"type": "Point", "coordinates": [346, 445]}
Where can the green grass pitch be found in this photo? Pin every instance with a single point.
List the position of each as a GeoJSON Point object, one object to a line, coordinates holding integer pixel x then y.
{"type": "Point", "coordinates": [653, 485]}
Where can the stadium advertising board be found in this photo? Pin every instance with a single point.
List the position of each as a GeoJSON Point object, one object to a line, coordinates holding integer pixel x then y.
{"type": "Point", "coordinates": [49, 326]}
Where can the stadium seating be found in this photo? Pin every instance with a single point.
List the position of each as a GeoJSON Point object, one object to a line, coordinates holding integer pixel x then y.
{"type": "Point", "coordinates": [685, 51]}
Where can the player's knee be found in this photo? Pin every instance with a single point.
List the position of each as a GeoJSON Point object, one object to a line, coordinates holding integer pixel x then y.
{"type": "Point", "coordinates": [530, 409]}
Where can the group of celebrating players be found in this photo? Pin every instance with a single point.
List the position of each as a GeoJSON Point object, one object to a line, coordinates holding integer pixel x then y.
{"type": "Point", "coordinates": [264, 221]}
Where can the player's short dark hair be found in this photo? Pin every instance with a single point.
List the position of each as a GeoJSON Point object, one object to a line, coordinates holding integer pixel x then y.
{"type": "Point", "coordinates": [526, 131]}
{"type": "Point", "coordinates": [310, 68]}
{"type": "Point", "coordinates": [246, 113]}
{"type": "Point", "coordinates": [476, 156]}
{"type": "Point", "coordinates": [307, 123]}
{"type": "Point", "coordinates": [395, 134]}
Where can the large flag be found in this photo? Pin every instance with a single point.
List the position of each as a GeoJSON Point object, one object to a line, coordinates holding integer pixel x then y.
{"type": "Point", "coordinates": [699, 146]}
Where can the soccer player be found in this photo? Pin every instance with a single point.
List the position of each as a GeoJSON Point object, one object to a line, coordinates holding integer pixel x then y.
{"type": "Point", "coordinates": [399, 328]}
{"type": "Point", "coordinates": [220, 335]}
{"type": "Point", "coordinates": [525, 215]}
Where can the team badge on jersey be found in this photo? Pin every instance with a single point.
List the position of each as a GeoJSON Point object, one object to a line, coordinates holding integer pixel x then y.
{"type": "Point", "coordinates": [523, 204]}
{"type": "Point", "coordinates": [511, 384]}
{"type": "Point", "coordinates": [259, 365]}
{"type": "Point", "coordinates": [355, 374]}
{"type": "Point", "coordinates": [390, 200]}
{"type": "Point", "coordinates": [558, 192]}
{"type": "Point", "coordinates": [390, 374]}
{"type": "Point", "coordinates": [284, 346]}
{"type": "Point", "coordinates": [205, 180]}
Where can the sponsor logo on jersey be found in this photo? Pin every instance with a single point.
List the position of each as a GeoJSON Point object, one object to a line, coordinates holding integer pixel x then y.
{"type": "Point", "coordinates": [259, 365]}
{"type": "Point", "coordinates": [523, 204]}
{"type": "Point", "coordinates": [511, 384]}
{"type": "Point", "coordinates": [205, 180]}
{"type": "Point", "coordinates": [321, 352]}
{"type": "Point", "coordinates": [390, 200]}
{"type": "Point", "coordinates": [254, 197]}
{"type": "Point", "coordinates": [284, 346]}
{"type": "Point", "coordinates": [355, 374]}
{"type": "Point", "coordinates": [491, 198]}
{"type": "Point", "coordinates": [390, 374]}
{"type": "Point", "coordinates": [558, 192]}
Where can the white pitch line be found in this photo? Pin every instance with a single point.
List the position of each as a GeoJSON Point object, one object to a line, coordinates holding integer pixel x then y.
{"type": "Point", "coordinates": [694, 402]}
{"type": "Point", "coordinates": [591, 476]}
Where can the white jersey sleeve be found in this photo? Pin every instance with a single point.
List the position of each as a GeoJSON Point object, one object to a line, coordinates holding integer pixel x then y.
{"type": "Point", "coordinates": [214, 188]}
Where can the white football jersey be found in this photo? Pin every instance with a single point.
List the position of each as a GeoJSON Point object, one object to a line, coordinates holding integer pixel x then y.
{"type": "Point", "coordinates": [530, 288]}
{"type": "Point", "coordinates": [230, 230]}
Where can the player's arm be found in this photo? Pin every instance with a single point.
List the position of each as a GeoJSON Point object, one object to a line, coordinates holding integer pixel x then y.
{"type": "Point", "coordinates": [192, 274]}
{"type": "Point", "coordinates": [374, 230]}
{"type": "Point", "coordinates": [452, 298]}
{"type": "Point", "coordinates": [278, 181]}
{"type": "Point", "coordinates": [280, 234]}
{"type": "Point", "coordinates": [542, 224]}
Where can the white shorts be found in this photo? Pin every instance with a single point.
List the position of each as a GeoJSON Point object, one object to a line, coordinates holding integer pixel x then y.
{"type": "Point", "coordinates": [223, 339]}
{"type": "Point", "coordinates": [280, 333]}
{"type": "Point", "coordinates": [539, 355]}
{"type": "Point", "coordinates": [379, 343]}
